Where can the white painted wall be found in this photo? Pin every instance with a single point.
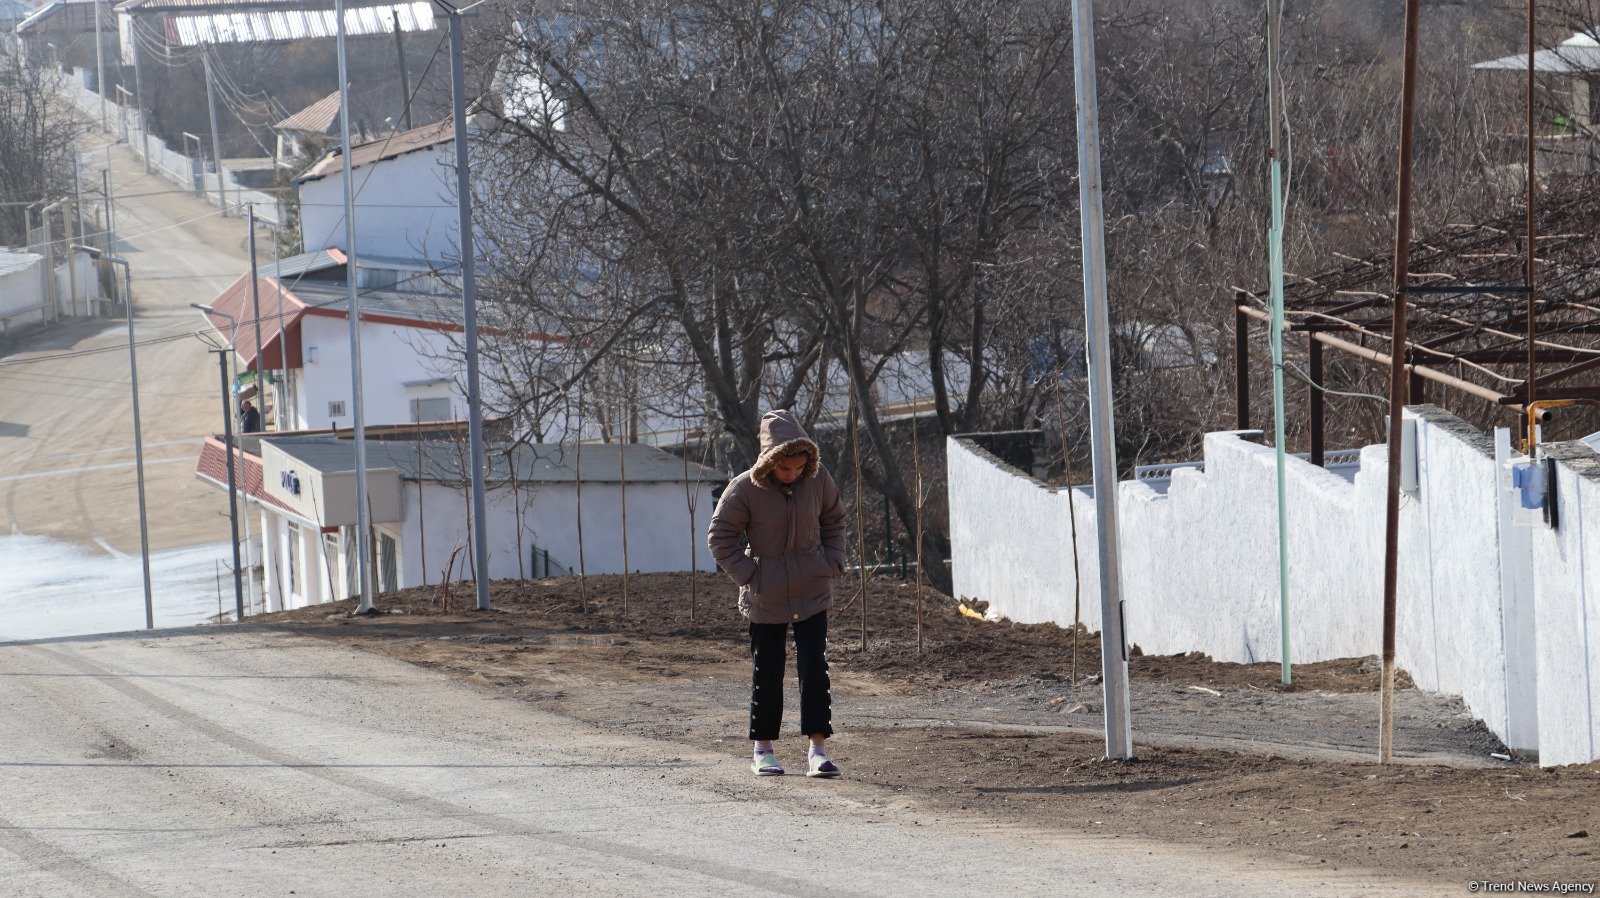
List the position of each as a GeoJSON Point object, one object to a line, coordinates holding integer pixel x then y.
{"type": "Point", "coordinates": [21, 294]}
{"type": "Point", "coordinates": [1566, 586]}
{"type": "Point", "coordinates": [391, 355]}
{"type": "Point", "coordinates": [405, 207]}
{"type": "Point", "coordinates": [660, 533]}
{"type": "Point", "coordinates": [1200, 564]}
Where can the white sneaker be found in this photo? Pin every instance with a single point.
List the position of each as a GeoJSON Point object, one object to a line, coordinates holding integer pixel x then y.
{"type": "Point", "coordinates": [821, 766]}
{"type": "Point", "coordinates": [766, 764]}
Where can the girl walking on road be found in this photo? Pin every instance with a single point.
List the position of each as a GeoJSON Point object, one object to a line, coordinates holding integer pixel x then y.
{"type": "Point", "coordinates": [778, 531]}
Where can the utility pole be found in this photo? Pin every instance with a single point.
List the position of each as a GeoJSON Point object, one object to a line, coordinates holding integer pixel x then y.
{"type": "Point", "coordinates": [111, 228]}
{"type": "Point", "coordinates": [405, 79]}
{"type": "Point", "coordinates": [1275, 280]}
{"type": "Point", "coordinates": [1102, 423]}
{"type": "Point", "coordinates": [138, 87]}
{"type": "Point", "coordinates": [77, 187]}
{"type": "Point", "coordinates": [469, 302]}
{"type": "Point", "coordinates": [233, 501]}
{"type": "Point", "coordinates": [255, 308]}
{"type": "Point", "coordinates": [353, 299]}
{"type": "Point", "coordinates": [216, 142]}
{"type": "Point", "coordinates": [100, 64]}
{"type": "Point", "coordinates": [1397, 378]}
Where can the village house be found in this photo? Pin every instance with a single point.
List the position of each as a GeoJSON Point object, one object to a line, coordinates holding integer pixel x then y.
{"type": "Point", "coordinates": [300, 490]}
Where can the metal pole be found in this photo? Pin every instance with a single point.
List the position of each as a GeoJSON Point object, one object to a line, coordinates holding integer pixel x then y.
{"type": "Point", "coordinates": [283, 342]}
{"type": "Point", "coordinates": [255, 311]}
{"type": "Point", "coordinates": [1532, 180]}
{"type": "Point", "coordinates": [216, 140]}
{"type": "Point", "coordinates": [358, 412]}
{"type": "Point", "coordinates": [405, 79]}
{"type": "Point", "coordinates": [1096, 309]}
{"type": "Point", "coordinates": [100, 64]}
{"type": "Point", "coordinates": [138, 87]}
{"type": "Point", "coordinates": [1397, 379]}
{"type": "Point", "coordinates": [77, 187]}
{"type": "Point", "coordinates": [138, 447]}
{"type": "Point", "coordinates": [111, 228]}
{"type": "Point", "coordinates": [233, 503]}
{"type": "Point", "coordinates": [1275, 280]}
{"type": "Point", "coordinates": [469, 302]}
{"type": "Point", "coordinates": [1316, 398]}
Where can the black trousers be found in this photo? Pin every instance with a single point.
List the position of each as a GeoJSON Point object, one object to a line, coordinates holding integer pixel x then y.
{"type": "Point", "coordinates": [768, 647]}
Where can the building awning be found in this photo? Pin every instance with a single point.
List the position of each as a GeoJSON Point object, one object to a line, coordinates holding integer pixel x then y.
{"type": "Point", "coordinates": [212, 467]}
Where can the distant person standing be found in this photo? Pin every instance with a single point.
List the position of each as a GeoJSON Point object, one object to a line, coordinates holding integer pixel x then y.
{"type": "Point", "coordinates": [779, 532]}
{"type": "Point", "coordinates": [249, 418]}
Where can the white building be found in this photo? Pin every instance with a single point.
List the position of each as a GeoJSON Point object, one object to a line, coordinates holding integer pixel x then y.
{"type": "Point", "coordinates": [408, 331]}
{"type": "Point", "coordinates": [29, 295]}
{"type": "Point", "coordinates": [301, 490]}
{"type": "Point", "coordinates": [405, 202]}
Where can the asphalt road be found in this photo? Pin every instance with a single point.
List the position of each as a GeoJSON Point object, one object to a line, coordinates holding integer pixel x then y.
{"type": "Point", "coordinates": [251, 762]}
{"type": "Point", "coordinates": [66, 433]}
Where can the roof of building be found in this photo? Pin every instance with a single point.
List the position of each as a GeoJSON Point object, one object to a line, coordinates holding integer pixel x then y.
{"type": "Point", "coordinates": [191, 22]}
{"type": "Point", "coordinates": [1575, 55]}
{"type": "Point", "coordinates": [247, 470]}
{"type": "Point", "coordinates": [73, 13]}
{"type": "Point", "coordinates": [306, 263]}
{"type": "Point", "coordinates": [318, 118]}
{"type": "Point", "coordinates": [390, 147]}
{"type": "Point", "coordinates": [15, 260]}
{"type": "Point", "coordinates": [443, 461]}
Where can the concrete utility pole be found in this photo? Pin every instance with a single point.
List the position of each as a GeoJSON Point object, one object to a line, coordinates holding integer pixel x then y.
{"type": "Point", "coordinates": [100, 64]}
{"type": "Point", "coordinates": [111, 228]}
{"type": "Point", "coordinates": [353, 299]}
{"type": "Point", "coordinates": [1096, 311]}
{"type": "Point", "coordinates": [405, 79]}
{"type": "Point", "coordinates": [469, 302]}
{"type": "Point", "coordinates": [255, 307]}
{"type": "Point", "coordinates": [138, 87]}
{"type": "Point", "coordinates": [216, 141]}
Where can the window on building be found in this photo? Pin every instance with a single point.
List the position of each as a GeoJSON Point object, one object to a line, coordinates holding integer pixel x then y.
{"type": "Point", "coordinates": [433, 409]}
{"type": "Point", "coordinates": [336, 408]}
{"type": "Point", "coordinates": [293, 558]}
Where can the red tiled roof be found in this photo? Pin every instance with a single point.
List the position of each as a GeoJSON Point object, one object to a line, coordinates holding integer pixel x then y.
{"type": "Point", "coordinates": [247, 471]}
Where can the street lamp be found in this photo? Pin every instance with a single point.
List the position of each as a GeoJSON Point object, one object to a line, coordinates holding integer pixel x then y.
{"type": "Point", "coordinates": [138, 440]}
{"type": "Point", "coordinates": [227, 436]}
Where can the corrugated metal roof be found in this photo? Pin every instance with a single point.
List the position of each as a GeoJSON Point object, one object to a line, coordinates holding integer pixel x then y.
{"type": "Point", "coordinates": [13, 261]}
{"type": "Point", "coordinates": [188, 23]}
{"type": "Point", "coordinates": [432, 308]}
{"type": "Point", "coordinates": [442, 461]}
{"type": "Point", "coordinates": [305, 263]}
{"type": "Point", "coordinates": [384, 148]}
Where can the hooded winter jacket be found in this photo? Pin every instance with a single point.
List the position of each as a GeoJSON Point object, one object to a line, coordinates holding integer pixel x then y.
{"type": "Point", "coordinates": [783, 544]}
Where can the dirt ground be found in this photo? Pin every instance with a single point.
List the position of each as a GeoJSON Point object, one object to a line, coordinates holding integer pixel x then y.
{"type": "Point", "coordinates": [987, 719]}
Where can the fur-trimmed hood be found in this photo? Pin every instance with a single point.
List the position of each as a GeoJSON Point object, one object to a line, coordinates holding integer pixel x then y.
{"type": "Point", "coordinates": [781, 435]}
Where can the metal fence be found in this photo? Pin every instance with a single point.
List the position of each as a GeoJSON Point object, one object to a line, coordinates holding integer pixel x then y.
{"type": "Point", "coordinates": [193, 173]}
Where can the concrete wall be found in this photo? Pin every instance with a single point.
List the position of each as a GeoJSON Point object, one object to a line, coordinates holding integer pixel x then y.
{"type": "Point", "coordinates": [22, 297]}
{"type": "Point", "coordinates": [1200, 563]}
{"type": "Point", "coordinates": [1566, 587]}
{"type": "Point", "coordinates": [405, 207]}
{"type": "Point", "coordinates": [660, 533]}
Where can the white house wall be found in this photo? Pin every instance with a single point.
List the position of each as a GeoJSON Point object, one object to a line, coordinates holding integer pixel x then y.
{"type": "Point", "coordinates": [1200, 564]}
{"type": "Point", "coordinates": [406, 207]}
{"type": "Point", "coordinates": [391, 355]}
{"type": "Point", "coordinates": [660, 533]}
